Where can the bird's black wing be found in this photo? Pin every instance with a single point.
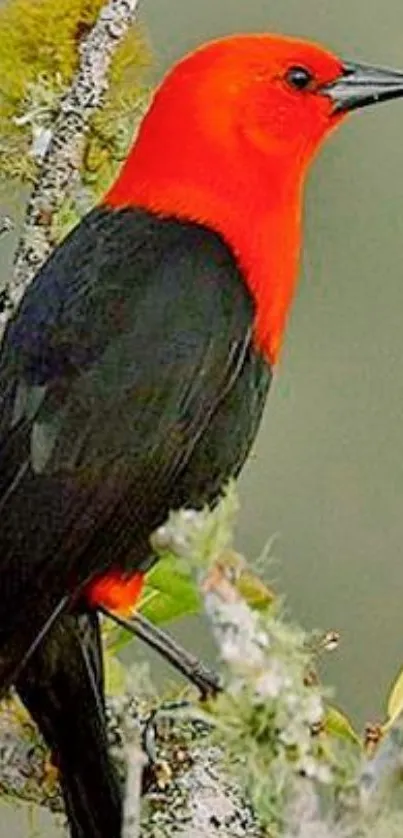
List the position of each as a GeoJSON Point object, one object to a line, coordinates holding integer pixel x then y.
{"type": "Point", "coordinates": [119, 371]}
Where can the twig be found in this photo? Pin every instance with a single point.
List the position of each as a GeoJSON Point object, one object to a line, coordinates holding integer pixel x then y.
{"type": "Point", "coordinates": [205, 679]}
{"type": "Point", "coordinates": [63, 155]}
{"type": "Point", "coordinates": [258, 666]}
{"type": "Point", "coordinates": [135, 762]}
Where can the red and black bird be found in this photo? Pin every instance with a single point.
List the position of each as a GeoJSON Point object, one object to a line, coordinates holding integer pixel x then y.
{"type": "Point", "coordinates": [134, 374]}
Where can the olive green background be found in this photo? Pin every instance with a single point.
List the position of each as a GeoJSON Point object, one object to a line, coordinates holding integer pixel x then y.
{"type": "Point", "coordinates": [326, 478]}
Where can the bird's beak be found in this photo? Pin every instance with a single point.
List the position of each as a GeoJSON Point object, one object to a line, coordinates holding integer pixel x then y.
{"type": "Point", "coordinates": [361, 85]}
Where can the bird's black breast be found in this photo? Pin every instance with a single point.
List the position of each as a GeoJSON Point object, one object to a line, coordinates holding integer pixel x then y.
{"type": "Point", "coordinates": [129, 384]}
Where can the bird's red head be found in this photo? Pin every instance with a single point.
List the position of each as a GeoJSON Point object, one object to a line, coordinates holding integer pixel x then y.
{"type": "Point", "coordinates": [227, 142]}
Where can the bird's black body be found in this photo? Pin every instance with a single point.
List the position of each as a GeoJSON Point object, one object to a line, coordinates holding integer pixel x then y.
{"type": "Point", "coordinates": [129, 385]}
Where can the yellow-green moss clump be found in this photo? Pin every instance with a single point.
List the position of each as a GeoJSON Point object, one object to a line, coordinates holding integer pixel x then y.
{"type": "Point", "coordinates": [39, 53]}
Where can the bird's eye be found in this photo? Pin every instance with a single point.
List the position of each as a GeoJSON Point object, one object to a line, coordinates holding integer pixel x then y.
{"type": "Point", "coordinates": [299, 78]}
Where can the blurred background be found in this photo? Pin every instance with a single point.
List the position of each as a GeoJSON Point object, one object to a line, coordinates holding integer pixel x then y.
{"type": "Point", "coordinates": [325, 482]}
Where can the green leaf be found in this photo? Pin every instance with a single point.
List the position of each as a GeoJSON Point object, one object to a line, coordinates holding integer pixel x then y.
{"type": "Point", "coordinates": [256, 593]}
{"type": "Point", "coordinates": [337, 724]}
{"type": "Point", "coordinates": [395, 700]}
{"type": "Point", "coordinates": [170, 592]}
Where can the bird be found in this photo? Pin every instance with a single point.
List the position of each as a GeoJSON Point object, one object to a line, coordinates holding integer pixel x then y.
{"type": "Point", "coordinates": [135, 370]}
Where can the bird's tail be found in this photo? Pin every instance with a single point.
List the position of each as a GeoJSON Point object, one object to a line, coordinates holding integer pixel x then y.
{"type": "Point", "coordinates": [62, 687]}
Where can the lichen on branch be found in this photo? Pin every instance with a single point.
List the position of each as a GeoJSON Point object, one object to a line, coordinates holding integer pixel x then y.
{"type": "Point", "coordinates": [36, 73]}
{"type": "Point", "coordinates": [61, 154]}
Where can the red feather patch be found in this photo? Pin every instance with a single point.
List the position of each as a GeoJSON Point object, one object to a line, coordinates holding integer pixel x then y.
{"type": "Point", "coordinates": [116, 591]}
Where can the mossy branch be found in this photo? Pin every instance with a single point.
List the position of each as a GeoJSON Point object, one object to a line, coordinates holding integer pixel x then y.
{"type": "Point", "coordinates": [62, 158]}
